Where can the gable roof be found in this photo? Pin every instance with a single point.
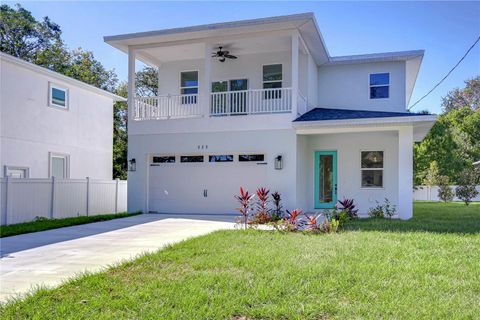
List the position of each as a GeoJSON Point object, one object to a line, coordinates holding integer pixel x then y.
{"type": "Point", "coordinates": [325, 114]}
{"type": "Point", "coordinates": [59, 76]}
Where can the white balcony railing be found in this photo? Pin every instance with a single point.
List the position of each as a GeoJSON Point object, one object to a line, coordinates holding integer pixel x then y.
{"type": "Point", "coordinates": [167, 107]}
{"type": "Point", "coordinates": [256, 101]}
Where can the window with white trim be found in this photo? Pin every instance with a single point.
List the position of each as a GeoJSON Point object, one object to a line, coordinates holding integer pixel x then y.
{"type": "Point", "coordinates": [372, 169]}
{"type": "Point", "coordinates": [379, 85]}
{"type": "Point", "coordinates": [16, 172]}
{"type": "Point", "coordinates": [57, 96]}
{"type": "Point", "coordinates": [272, 79]}
{"type": "Point", "coordinates": [59, 165]}
{"type": "Point", "coordinates": [189, 86]}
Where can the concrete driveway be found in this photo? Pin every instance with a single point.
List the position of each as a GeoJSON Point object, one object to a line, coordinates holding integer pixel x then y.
{"type": "Point", "coordinates": [50, 257]}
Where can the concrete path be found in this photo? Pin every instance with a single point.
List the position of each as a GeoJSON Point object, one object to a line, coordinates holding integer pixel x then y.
{"type": "Point", "coordinates": [50, 257]}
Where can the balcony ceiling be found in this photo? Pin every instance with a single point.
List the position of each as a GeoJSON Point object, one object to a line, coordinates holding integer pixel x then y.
{"type": "Point", "coordinates": [237, 47]}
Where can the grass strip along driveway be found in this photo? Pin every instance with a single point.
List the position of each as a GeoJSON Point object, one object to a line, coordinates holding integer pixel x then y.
{"type": "Point", "coordinates": [47, 224]}
{"type": "Point", "coordinates": [427, 268]}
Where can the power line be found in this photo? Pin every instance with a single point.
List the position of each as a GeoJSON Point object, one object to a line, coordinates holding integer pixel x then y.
{"type": "Point", "coordinates": [449, 72]}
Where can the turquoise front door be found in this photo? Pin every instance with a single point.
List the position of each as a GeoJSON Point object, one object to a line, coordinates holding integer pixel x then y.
{"type": "Point", "coordinates": [325, 179]}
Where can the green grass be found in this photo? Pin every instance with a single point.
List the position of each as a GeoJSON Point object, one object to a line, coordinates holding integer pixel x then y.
{"type": "Point", "coordinates": [47, 224]}
{"type": "Point", "coordinates": [426, 268]}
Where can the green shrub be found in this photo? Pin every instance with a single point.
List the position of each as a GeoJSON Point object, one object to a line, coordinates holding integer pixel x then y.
{"type": "Point", "coordinates": [467, 182]}
{"type": "Point", "coordinates": [445, 192]}
{"type": "Point", "coordinates": [385, 210]}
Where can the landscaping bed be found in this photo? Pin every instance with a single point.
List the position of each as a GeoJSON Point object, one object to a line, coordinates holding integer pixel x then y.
{"type": "Point", "coordinates": [375, 268]}
{"type": "Point", "coordinates": [47, 224]}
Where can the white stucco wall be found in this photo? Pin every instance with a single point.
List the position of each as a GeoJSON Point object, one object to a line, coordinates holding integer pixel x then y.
{"type": "Point", "coordinates": [347, 87]}
{"type": "Point", "coordinates": [248, 66]}
{"type": "Point", "coordinates": [30, 128]}
{"type": "Point", "coordinates": [349, 147]}
{"type": "Point", "coordinates": [295, 181]}
{"type": "Point", "coordinates": [271, 143]}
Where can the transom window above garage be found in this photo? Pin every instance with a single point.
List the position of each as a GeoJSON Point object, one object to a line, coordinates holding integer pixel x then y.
{"type": "Point", "coordinates": [190, 159]}
{"type": "Point", "coordinates": [163, 159]}
{"type": "Point", "coordinates": [251, 157]}
{"type": "Point", "coordinates": [221, 158]}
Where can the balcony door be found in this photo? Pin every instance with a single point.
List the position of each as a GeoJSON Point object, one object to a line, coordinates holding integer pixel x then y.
{"type": "Point", "coordinates": [229, 97]}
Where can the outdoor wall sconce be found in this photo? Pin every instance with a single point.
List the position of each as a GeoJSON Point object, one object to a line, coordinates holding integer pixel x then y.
{"type": "Point", "coordinates": [132, 165]}
{"type": "Point", "coordinates": [278, 162]}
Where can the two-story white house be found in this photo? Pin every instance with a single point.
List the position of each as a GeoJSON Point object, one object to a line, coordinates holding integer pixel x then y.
{"type": "Point", "coordinates": [262, 103]}
{"type": "Point", "coordinates": [52, 125]}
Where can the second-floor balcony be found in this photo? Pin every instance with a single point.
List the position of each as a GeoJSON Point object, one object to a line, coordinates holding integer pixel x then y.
{"type": "Point", "coordinates": [225, 103]}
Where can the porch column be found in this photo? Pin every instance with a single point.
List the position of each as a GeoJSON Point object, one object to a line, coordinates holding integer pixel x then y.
{"type": "Point", "coordinates": [131, 82]}
{"type": "Point", "coordinates": [207, 80]}
{"type": "Point", "coordinates": [295, 41]}
{"type": "Point", "coordinates": [405, 172]}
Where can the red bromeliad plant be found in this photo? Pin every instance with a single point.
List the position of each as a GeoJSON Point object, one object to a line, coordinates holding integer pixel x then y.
{"type": "Point", "coordinates": [245, 200]}
{"type": "Point", "coordinates": [293, 215]}
{"type": "Point", "coordinates": [263, 213]}
{"type": "Point", "coordinates": [312, 222]}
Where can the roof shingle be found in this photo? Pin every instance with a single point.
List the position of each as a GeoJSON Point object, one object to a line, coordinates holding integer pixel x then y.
{"type": "Point", "coordinates": [324, 114]}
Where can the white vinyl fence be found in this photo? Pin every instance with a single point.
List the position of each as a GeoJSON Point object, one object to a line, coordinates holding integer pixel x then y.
{"type": "Point", "coordinates": [431, 193]}
{"type": "Point", "coordinates": [22, 200]}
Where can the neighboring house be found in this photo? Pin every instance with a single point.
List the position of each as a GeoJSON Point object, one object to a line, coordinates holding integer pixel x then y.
{"type": "Point", "coordinates": [281, 113]}
{"type": "Point", "coordinates": [53, 125]}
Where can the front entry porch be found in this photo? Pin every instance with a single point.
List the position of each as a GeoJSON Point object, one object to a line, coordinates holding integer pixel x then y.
{"type": "Point", "coordinates": [364, 166]}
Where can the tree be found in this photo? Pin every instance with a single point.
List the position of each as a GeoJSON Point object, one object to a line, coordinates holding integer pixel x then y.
{"type": "Point", "coordinates": [120, 134]}
{"type": "Point", "coordinates": [147, 82]}
{"type": "Point", "coordinates": [453, 141]}
{"type": "Point", "coordinates": [445, 192]}
{"type": "Point", "coordinates": [468, 180]}
{"type": "Point", "coordinates": [464, 97]}
{"type": "Point", "coordinates": [431, 177]}
{"type": "Point", "coordinates": [84, 67]}
{"type": "Point", "coordinates": [39, 42]}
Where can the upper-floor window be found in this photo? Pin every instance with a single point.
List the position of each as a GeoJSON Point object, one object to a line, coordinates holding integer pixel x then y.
{"type": "Point", "coordinates": [57, 96]}
{"type": "Point", "coordinates": [189, 86]}
{"type": "Point", "coordinates": [379, 85]}
{"type": "Point", "coordinates": [272, 79]}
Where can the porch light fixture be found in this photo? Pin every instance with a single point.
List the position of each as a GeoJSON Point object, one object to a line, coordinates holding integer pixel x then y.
{"type": "Point", "coordinates": [132, 165]}
{"type": "Point", "coordinates": [278, 162]}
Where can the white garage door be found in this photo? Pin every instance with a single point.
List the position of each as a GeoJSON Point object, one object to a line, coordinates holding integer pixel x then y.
{"type": "Point", "coordinates": [205, 187]}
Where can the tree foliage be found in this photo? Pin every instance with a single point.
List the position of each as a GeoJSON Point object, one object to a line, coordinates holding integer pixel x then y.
{"type": "Point", "coordinates": [454, 140]}
{"type": "Point", "coordinates": [463, 97]}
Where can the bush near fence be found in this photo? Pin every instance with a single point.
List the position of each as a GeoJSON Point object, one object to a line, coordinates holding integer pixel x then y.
{"type": "Point", "coordinates": [24, 200]}
{"type": "Point", "coordinates": [431, 193]}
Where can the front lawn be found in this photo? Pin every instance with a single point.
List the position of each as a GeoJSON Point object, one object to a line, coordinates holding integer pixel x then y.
{"type": "Point", "coordinates": [47, 224]}
{"type": "Point", "coordinates": [424, 268]}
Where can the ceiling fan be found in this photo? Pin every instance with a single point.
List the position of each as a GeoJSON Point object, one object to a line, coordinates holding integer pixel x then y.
{"type": "Point", "coordinates": [222, 55]}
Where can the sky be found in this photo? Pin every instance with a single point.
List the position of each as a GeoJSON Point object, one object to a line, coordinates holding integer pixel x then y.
{"type": "Point", "coordinates": [445, 30]}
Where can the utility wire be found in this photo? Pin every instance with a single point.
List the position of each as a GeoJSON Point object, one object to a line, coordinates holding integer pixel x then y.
{"type": "Point", "coordinates": [449, 72]}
